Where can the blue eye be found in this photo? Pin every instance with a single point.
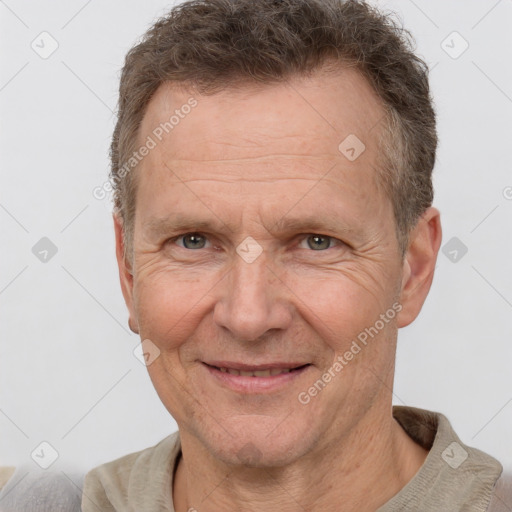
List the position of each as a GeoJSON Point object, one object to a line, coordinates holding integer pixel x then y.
{"type": "Point", "coordinates": [193, 241]}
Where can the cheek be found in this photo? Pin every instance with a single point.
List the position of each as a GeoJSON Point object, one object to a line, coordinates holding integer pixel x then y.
{"type": "Point", "coordinates": [169, 306]}
{"type": "Point", "coordinates": [339, 307]}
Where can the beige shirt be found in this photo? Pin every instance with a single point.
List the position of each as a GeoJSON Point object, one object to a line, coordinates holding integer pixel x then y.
{"type": "Point", "coordinates": [454, 477]}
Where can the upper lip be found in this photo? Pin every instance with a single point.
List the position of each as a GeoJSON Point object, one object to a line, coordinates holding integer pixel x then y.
{"type": "Point", "coordinates": [254, 367]}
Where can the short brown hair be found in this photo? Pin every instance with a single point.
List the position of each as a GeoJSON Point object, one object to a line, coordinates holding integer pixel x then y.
{"type": "Point", "coordinates": [213, 44]}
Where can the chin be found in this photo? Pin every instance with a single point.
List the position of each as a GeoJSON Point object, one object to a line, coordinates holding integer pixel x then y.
{"type": "Point", "coordinates": [251, 444]}
{"type": "Point", "coordinates": [256, 455]}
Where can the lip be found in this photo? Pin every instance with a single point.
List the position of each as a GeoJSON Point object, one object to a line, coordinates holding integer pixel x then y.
{"type": "Point", "coordinates": [255, 367]}
{"type": "Point", "coordinates": [249, 384]}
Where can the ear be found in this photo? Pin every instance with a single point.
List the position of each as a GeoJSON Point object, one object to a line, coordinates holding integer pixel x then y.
{"type": "Point", "coordinates": [125, 273]}
{"type": "Point", "coordinates": [419, 264]}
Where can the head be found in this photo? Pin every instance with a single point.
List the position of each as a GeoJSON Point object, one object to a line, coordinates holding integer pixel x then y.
{"type": "Point", "coordinates": [272, 171]}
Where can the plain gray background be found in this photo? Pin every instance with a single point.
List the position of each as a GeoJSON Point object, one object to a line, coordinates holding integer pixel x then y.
{"type": "Point", "coordinates": [68, 374]}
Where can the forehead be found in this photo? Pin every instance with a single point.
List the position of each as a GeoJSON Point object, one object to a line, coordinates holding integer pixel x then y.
{"type": "Point", "coordinates": [271, 145]}
{"type": "Point", "coordinates": [306, 116]}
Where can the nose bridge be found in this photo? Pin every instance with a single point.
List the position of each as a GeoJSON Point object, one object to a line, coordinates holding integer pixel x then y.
{"type": "Point", "coordinates": [251, 303]}
{"type": "Point", "coordinates": [249, 280]}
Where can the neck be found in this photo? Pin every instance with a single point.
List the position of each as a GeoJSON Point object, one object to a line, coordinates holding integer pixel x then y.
{"type": "Point", "coordinates": [361, 471]}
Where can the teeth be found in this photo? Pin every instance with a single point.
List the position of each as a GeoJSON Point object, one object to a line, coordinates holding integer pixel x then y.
{"type": "Point", "coordinates": [257, 373]}
{"type": "Point", "coordinates": [262, 373]}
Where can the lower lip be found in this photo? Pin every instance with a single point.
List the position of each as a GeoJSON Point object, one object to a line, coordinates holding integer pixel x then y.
{"type": "Point", "coordinates": [243, 384]}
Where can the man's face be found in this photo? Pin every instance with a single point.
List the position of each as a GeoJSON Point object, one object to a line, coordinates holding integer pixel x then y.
{"type": "Point", "coordinates": [265, 163]}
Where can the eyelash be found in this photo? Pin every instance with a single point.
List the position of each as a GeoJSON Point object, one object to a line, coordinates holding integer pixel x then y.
{"type": "Point", "coordinates": [176, 238]}
{"type": "Point", "coordinates": [335, 241]}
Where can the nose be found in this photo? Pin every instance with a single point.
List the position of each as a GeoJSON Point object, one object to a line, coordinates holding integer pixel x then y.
{"type": "Point", "coordinates": [252, 301]}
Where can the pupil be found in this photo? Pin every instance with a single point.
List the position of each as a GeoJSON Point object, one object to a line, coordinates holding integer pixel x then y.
{"type": "Point", "coordinates": [193, 241]}
{"type": "Point", "coordinates": [319, 242]}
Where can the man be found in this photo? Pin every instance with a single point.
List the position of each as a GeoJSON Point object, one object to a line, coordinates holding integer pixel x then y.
{"type": "Point", "coordinates": [272, 167]}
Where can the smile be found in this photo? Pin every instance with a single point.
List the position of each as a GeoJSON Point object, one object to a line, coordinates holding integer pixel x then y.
{"type": "Point", "coordinates": [258, 373]}
{"type": "Point", "coordinates": [255, 379]}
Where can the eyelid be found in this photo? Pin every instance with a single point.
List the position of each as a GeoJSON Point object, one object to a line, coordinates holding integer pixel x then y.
{"type": "Point", "coordinates": [178, 237]}
{"type": "Point", "coordinates": [335, 241]}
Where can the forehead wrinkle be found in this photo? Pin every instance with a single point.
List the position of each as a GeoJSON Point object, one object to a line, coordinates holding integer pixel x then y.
{"type": "Point", "coordinates": [222, 174]}
{"type": "Point", "coordinates": [286, 156]}
{"type": "Point", "coordinates": [306, 173]}
{"type": "Point", "coordinates": [340, 183]}
{"type": "Point", "coordinates": [237, 179]}
{"type": "Point", "coordinates": [258, 138]}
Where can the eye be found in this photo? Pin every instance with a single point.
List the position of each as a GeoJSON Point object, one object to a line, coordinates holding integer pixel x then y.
{"type": "Point", "coordinates": [192, 241]}
{"type": "Point", "coordinates": [319, 242]}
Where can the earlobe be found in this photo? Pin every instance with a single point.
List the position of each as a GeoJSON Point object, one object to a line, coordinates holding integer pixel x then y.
{"type": "Point", "coordinates": [125, 273]}
{"type": "Point", "coordinates": [134, 328]}
{"type": "Point", "coordinates": [419, 265]}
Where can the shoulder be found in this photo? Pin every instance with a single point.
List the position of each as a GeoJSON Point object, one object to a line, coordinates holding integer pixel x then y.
{"type": "Point", "coordinates": [26, 489]}
{"type": "Point", "coordinates": [458, 475]}
{"type": "Point", "coordinates": [501, 500]}
{"type": "Point", "coordinates": [113, 485]}
{"type": "Point", "coordinates": [6, 473]}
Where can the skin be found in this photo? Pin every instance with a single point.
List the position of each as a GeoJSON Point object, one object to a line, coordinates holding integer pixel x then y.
{"type": "Point", "coordinates": [249, 162]}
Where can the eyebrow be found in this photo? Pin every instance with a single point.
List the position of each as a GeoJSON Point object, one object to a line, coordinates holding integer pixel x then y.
{"type": "Point", "coordinates": [312, 224]}
{"type": "Point", "coordinates": [159, 227]}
